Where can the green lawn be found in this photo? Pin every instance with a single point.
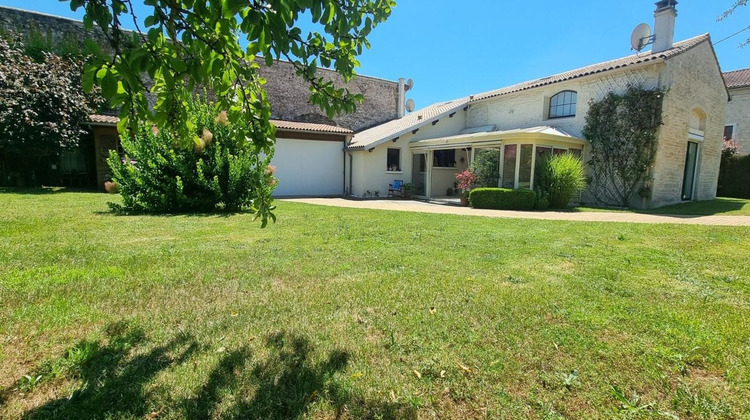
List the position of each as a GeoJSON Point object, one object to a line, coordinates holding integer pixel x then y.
{"type": "Point", "coordinates": [347, 313]}
{"type": "Point", "coordinates": [720, 206]}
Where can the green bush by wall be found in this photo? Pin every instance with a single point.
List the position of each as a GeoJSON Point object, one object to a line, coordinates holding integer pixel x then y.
{"type": "Point", "coordinates": [734, 177]}
{"type": "Point", "coordinates": [502, 199]}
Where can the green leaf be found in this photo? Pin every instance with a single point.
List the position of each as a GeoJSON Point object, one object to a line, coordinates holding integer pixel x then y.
{"type": "Point", "coordinates": [109, 85]}
{"type": "Point", "coordinates": [151, 21]}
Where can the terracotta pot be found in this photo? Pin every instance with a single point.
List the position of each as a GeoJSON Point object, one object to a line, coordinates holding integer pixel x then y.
{"type": "Point", "coordinates": [465, 201]}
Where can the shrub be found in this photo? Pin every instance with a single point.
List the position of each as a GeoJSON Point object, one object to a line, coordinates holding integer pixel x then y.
{"type": "Point", "coordinates": [466, 180]}
{"type": "Point", "coordinates": [558, 179]}
{"type": "Point", "coordinates": [734, 177]}
{"type": "Point", "coordinates": [502, 199]}
{"type": "Point", "coordinates": [163, 174]}
{"type": "Point", "coordinates": [486, 166]}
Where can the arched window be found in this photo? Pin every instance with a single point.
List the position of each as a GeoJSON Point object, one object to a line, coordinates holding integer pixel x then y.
{"type": "Point", "coordinates": [563, 104]}
{"type": "Point", "coordinates": [697, 120]}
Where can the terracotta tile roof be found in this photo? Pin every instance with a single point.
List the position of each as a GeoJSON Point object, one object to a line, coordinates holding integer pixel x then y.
{"type": "Point", "coordinates": [98, 119]}
{"type": "Point", "coordinates": [737, 78]}
{"type": "Point", "coordinates": [103, 119]}
{"type": "Point", "coordinates": [303, 126]}
{"type": "Point", "coordinates": [390, 130]}
{"type": "Point", "coordinates": [619, 63]}
{"type": "Point", "coordinates": [395, 128]}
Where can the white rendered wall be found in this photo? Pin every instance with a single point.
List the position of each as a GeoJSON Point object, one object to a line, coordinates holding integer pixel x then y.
{"type": "Point", "coordinates": [309, 168]}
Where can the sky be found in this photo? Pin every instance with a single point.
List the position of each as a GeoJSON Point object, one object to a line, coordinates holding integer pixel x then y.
{"type": "Point", "coordinates": [455, 48]}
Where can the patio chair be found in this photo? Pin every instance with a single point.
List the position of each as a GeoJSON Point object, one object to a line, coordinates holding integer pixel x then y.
{"type": "Point", "coordinates": [396, 189]}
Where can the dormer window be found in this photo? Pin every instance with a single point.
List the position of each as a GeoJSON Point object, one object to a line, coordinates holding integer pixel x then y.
{"type": "Point", "coordinates": [563, 104]}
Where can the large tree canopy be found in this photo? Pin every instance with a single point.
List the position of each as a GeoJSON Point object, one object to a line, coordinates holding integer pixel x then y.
{"type": "Point", "coordinates": [42, 105]}
{"type": "Point", "coordinates": [184, 44]}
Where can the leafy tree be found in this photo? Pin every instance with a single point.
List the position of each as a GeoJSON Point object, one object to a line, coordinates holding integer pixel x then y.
{"type": "Point", "coordinates": [622, 130]}
{"type": "Point", "coordinates": [42, 106]}
{"type": "Point", "coordinates": [486, 165]}
{"type": "Point", "coordinates": [737, 4]}
{"type": "Point", "coordinates": [188, 43]}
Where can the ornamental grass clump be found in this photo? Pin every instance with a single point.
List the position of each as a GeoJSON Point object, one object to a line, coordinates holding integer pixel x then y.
{"type": "Point", "coordinates": [558, 179]}
{"type": "Point", "coordinates": [211, 171]}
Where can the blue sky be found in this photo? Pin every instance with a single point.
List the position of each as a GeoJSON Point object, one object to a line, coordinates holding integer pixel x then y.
{"type": "Point", "coordinates": [453, 49]}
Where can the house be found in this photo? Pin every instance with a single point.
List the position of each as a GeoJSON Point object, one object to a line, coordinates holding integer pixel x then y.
{"type": "Point", "coordinates": [309, 152]}
{"type": "Point", "coordinates": [525, 121]}
{"type": "Point", "coordinates": [737, 125]}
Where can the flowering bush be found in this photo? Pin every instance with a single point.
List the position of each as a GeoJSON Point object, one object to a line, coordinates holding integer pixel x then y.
{"type": "Point", "coordinates": [729, 148]}
{"type": "Point", "coordinates": [466, 180]}
{"type": "Point", "coordinates": [161, 173]}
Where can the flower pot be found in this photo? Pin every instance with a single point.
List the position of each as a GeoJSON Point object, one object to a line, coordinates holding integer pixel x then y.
{"type": "Point", "coordinates": [465, 201]}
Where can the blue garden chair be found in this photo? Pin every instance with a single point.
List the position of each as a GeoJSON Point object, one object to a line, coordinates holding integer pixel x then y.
{"type": "Point", "coordinates": [396, 189]}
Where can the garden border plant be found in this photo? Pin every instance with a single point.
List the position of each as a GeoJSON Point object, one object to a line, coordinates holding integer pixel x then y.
{"type": "Point", "coordinates": [623, 132]}
{"type": "Point", "coordinates": [557, 180]}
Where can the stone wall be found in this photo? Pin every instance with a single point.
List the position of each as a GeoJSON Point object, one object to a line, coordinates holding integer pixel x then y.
{"type": "Point", "coordinates": [738, 114]}
{"type": "Point", "coordinates": [695, 85]}
{"type": "Point", "coordinates": [287, 93]}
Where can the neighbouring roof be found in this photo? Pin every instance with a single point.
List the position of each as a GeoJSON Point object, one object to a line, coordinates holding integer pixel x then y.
{"type": "Point", "coordinates": [98, 119]}
{"type": "Point", "coordinates": [387, 131]}
{"type": "Point", "coordinates": [619, 63]}
{"type": "Point", "coordinates": [467, 139]}
{"type": "Point", "coordinates": [737, 78]}
{"type": "Point", "coordinates": [314, 127]}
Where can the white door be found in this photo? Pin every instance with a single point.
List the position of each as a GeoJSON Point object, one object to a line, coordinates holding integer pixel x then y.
{"type": "Point", "coordinates": [312, 168]}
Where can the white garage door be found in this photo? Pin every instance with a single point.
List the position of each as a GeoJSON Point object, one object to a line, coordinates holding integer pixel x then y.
{"type": "Point", "coordinates": [309, 167]}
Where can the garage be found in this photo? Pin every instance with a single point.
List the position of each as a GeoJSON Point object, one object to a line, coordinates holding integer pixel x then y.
{"type": "Point", "coordinates": [309, 159]}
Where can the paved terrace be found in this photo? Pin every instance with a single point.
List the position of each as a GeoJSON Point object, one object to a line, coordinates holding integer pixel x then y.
{"type": "Point", "coordinates": [439, 208]}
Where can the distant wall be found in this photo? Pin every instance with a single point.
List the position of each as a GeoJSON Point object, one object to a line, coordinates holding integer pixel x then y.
{"type": "Point", "coordinates": [287, 93]}
{"type": "Point", "coordinates": [738, 115]}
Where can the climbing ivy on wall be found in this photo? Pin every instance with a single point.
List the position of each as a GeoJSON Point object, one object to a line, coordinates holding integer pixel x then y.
{"type": "Point", "coordinates": [623, 132]}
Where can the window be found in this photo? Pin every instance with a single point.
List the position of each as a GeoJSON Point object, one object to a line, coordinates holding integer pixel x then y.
{"type": "Point", "coordinates": [729, 132]}
{"type": "Point", "coordinates": [393, 160]}
{"type": "Point", "coordinates": [563, 104]}
{"type": "Point", "coordinates": [444, 158]}
{"type": "Point", "coordinates": [73, 161]}
{"type": "Point", "coordinates": [524, 167]}
{"type": "Point", "coordinates": [509, 166]}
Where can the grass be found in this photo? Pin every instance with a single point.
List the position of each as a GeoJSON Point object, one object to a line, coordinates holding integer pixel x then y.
{"type": "Point", "coordinates": [721, 206]}
{"type": "Point", "coordinates": [348, 313]}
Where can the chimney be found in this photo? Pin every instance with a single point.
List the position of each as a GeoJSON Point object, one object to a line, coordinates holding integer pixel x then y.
{"type": "Point", "coordinates": [401, 96]}
{"type": "Point", "coordinates": [664, 18]}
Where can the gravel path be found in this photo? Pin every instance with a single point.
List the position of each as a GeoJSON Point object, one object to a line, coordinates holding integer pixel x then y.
{"type": "Point", "coordinates": [622, 217]}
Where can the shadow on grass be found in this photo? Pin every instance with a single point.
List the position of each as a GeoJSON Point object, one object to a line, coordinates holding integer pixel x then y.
{"type": "Point", "coordinates": [217, 213]}
{"type": "Point", "coordinates": [117, 373]}
{"type": "Point", "coordinates": [285, 385]}
{"type": "Point", "coordinates": [46, 190]}
{"type": "Point", "coordinates": [701, 208]}
{"type": "Point", "coordinates": [114, 384]}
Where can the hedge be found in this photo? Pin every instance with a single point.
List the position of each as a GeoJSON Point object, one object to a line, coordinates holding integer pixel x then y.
{"type": "Point", "coordinates": [502, 199]}
{"type": "Point", "coordinates": [734, 177]}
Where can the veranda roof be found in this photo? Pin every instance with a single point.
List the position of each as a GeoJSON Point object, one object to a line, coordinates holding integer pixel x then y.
{"type": "Point", "coordinates": [496, 138]}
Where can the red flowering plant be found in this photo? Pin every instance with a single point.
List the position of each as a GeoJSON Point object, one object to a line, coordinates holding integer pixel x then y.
{"type": "Point", "coordinates": [466, 181]}
{"type": "Point", "coordinates": [729, 148]}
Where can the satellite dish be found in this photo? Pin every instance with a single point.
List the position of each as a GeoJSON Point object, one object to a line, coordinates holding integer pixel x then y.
{"type": "Point", "coordinates": [410, 105]}
{"type": "Point", "coordinates": [641, 37]}
{"type": "Point", "coordinates": [409, 85]}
